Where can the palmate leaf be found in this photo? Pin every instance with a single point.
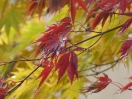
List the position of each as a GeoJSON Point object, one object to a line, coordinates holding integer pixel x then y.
{"type": "Point", "coordinates": [67, 62]}
{"type": "Point", "coordinates": [62, 65]}
{"type": "Point", "coordinates": [54, 39]}
{"type": "Point", "coordinates": [100, 84]}
{"type": "Point", "coordinates": [101, 16]}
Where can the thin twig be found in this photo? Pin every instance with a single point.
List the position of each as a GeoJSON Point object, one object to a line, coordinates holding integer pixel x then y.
{"type": "Point", "coordinates": [91, 45]}
{"type": "Point", "coordinates": [21, 60]}
{"type": "Point", "coordinates": [21, 82]}
{"type": "Point", "coordinates": [98, 65]}
{"type": "Point", "coordinates": [100, 71]}
{"type": "Point", "coordinates": [101, 33]}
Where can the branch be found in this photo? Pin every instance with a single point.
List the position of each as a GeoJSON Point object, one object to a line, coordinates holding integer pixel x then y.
{"type": "Point", "coordinates": [92, 44]}
{"type": "Point", "coordinates": [21, 82]}
{"type": "Point", "coordinates": [96, 73]}
{"type": "Point", "coordinates": [5, 63]}
{"type": "Point", "coordinates": [130, 89]}
{"type": "Point", "coordinates": [98, 65]}
{"type": "Point", "coordinates": [101, 33]}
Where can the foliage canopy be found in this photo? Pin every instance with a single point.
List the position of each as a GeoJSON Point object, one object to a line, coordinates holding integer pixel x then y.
{"type": "Point", "coordinates": [46, 44]}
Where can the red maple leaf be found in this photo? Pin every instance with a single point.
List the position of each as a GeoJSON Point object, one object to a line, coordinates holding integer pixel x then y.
{"type": "Point", "coordinates": [54, 39]}
{"type": "Point", "coordinates": [72, 68]}
{"type": "Point", "coordinates": [73, 8]}
{"type": "Point", "coordinates": [125, 48]}
{"type": "Point", "coordinates": [36, 4]}
{"type": "Point", "coordinates": [39, 5]}
{"type": "Point", "coordinates": [100, 84]}
{"type": "Point", "coordinates": [67, 61]}
{"type": "Point", "coordinates": [125, 26]}
{"type": "Point", "coordinates": [44, 74]}
{"type": "Point", "coordinates": [101, 16]}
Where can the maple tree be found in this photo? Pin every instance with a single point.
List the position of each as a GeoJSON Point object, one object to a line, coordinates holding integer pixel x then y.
{"type": "Point", "coordinates": [79, 36]}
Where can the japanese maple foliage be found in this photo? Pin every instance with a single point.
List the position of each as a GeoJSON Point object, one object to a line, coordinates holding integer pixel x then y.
{"type": "Point", "coordinates": [125, 48]}
{"type": "Point", "coordinates": [125, 26]}
{"type": "Point", "coordinates": [54, 52]}
{"type": "Point", "coordinates": [39, 5]}
{"type": "Point", "coordinates": [53, 45]}
{"type": "Point", "coordinates": [67, 62]}
{"type": "Point", "coordinates": [101, 83]}
{"type": "Point", "coordinates": [54, 39]}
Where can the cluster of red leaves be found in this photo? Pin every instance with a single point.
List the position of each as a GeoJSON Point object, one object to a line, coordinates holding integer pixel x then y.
{"type": "Point", "coordinates": [54, 39]}
{"type": "Point", "coordinates": [103, 82]}
{"type": "Point", "coordinates": [100, 84]}
{"type": "Point", "coordinates": [54, 5]}
{"type": "Point", "coordinates": [101, 10]}
{"type": "Point", "coordinates": [108, 7]}
{"type": "Point", "coordinates": [3, 91]}
{"type": "Point", "coordinates": [39, 5]}
{"type": "Point", "coordinates": [104, 9]}
{"type": "Point", "coordinates": [53, 44]}
{"type": "Point", "coordinates": [67, 61]}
